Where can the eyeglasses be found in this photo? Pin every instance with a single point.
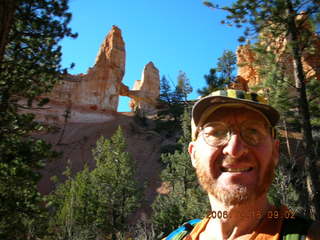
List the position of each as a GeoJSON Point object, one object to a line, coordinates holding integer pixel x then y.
{"type": "Point", "coordinates": [219, 133]}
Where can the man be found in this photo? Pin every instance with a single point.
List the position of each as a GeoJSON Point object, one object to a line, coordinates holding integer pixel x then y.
{"type": "Point", "coordinates": [234, 152]}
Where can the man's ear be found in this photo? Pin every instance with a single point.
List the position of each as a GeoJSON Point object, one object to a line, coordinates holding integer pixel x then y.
{"type": "Point", "coordinates": [192, 153]}
{"type": "Point", "coordinates": [276, 151]}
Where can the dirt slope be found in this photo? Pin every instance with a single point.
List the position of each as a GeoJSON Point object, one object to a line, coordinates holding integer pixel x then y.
{"type": "Point", "coordinates": [79, 138]}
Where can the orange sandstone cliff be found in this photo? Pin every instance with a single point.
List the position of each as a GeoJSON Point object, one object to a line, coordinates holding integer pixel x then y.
{"type": "Point", "coordinates": [248, 71]}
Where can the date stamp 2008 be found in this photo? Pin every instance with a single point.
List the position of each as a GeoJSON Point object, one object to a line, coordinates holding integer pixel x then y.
{"type": "Point", "coordinates": [272, 214]}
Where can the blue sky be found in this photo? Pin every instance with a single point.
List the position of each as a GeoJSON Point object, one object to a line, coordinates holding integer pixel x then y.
{"type": "Point", "coordinates": [174, 34]}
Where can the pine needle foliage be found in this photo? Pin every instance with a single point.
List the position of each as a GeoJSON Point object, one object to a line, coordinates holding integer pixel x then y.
{"type": "Point", "coordinates": [173, 101]}
{"type": "Point", "coordinates": [185, 199]}
{"type": "Point", "coordinates": [96, 204]}
{"type": "Point", "coordinates": [222, 76]}
{"type": "Point", "coordinates": [30, 58]}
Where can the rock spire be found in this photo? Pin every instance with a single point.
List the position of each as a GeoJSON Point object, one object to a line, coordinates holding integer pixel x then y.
{"type": "Point", "coordinates": [99, 88]}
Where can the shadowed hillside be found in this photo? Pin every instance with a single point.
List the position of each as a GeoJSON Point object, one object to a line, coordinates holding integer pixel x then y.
{"type": "Point", "coordinates": [78, 139]}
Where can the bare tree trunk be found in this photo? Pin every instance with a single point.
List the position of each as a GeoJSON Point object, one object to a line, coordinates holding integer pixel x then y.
{"type": "Point", "coordinates": [312, 178]}
{"type": "Point", "coordinates": [287, 140]}
{"type": "Point", "coordinates": [7, 9]}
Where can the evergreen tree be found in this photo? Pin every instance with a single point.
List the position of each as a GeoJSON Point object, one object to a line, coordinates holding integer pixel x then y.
{"type": "Point", "coordinates": [226, 66]}
{"type": "Point", "coordinates": [280, 18]}
{"type": "Point", "coordinates": [165, 91]}
{"type": "Point", "coordinates": [174, 101]}
{"type": "Point", "coordinates": [170, 102]}
{"type": "Point", "coordinates": [183, 88]}
{"type": "Point", "coordinates": [286, 185]}
{"type": "Point", "coordinates": [211, 81]}
{"type": "Point", "coordinates": [276, 84]}
{"type": "Point", "coordinates": [222, 76]}
{"type": "Point", "coordinates": [313, 90]}
{"type": "Point", "coordinates": [277, 80]}
{"type": "Point", "coordinates": [29, 66]}
{"type": "Point", "coordinates": [185, 200]}
{"type": "Point", "coordinates": [115, 179]}
{"type": "Point", "coordinates": [97, 203]}
{"type": "Point", "coordinates": [73, 206]}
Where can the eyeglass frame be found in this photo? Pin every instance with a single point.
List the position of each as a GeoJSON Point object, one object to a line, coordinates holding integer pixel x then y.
{"type": "Point", "coordinates": [231, 131]}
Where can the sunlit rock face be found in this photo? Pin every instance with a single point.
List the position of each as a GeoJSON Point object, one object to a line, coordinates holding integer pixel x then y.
{"type": "Point", "coordinates": [94, 96]}
{"type": "Point", "coordinates": [248, 71]}
{"type": "Point", "coordinates": [145, 92]}
{"type": "Point", "coordinates": [98, 89]}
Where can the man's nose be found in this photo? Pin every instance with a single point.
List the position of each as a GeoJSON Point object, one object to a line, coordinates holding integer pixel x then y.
{"type": "Point", "coordinates": [236, 147]}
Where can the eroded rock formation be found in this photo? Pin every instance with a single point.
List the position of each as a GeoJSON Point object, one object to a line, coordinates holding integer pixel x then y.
{"type": "Point", "coordinates": [145, 92]}
{"type": "Point", "coordinates": [248, 71]}
{"type": "Point", "coordinates": [99, 88]}
{"type": "Point", "coordinates": [88, 97]}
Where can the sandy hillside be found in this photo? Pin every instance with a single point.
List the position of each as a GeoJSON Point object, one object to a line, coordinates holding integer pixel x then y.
{"type": "Point", "coordinates": [78, 139]}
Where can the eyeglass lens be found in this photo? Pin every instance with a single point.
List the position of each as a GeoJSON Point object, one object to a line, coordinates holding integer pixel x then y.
{"type": "Point", "coordinates": [219, 133]}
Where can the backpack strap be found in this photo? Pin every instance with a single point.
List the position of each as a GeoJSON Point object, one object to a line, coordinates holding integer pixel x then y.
{"type": "Point", "coordinates": [295, 229]}
{"type": "Point", "coordinates": [183, 230]}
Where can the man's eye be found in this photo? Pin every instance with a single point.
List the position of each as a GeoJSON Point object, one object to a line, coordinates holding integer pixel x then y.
{"type": "Point", "coordinates": [252, 131]}
{"type": "Point", "coordinates": [219, 133]}
{"type": "Point", "coordinates": [216, 132]}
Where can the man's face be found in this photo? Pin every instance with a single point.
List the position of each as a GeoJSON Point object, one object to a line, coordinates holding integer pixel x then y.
{"type": "Point", "coordinates": [235, 171]}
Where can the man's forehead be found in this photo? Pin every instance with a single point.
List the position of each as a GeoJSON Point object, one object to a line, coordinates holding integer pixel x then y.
{"type": "Point", "coordinates": [238, 113]}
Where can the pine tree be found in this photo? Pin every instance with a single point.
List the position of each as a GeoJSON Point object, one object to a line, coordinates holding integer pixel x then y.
{"type": "Point", "coordinates": [220, 77]}
{"type": "Point", "coordinates": [168, 116]}
{"type": "Point", "coordinates": [165, 91]}
{"type": "Point", "coordinates": [211, 81]}
{"type": "Point", "coordinates": [29, 66]}
{"type": "Point", "coordinates": [226, 66]}
{"type": "Point", "coordinates": [313, 90]}
{"type": "Point", "coordinates": [97, 203]}
{"type": "Point", "coordinates": [73, 206]}
{"type": "Point", "coordinates": [174, 101]}
{"type": "Point", "coordinates": [275, 83]}
{"type": "Point", "coordinates": [115, 176]}
{"type": "Point", "coordinates": [185, 200]}
{"type": "Point", "coordinates": [183, 88]}
{"type": "Point", "coordinates": [287, 185]}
